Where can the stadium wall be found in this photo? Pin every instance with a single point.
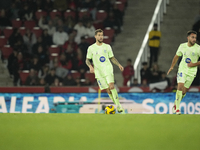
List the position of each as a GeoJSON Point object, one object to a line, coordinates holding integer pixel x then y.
{"type": "Point", "coordinates": [144, 103]}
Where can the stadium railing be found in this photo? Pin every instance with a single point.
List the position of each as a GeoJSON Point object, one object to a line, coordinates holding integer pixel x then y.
{"type": "Point", "coordinates": [160, 10]}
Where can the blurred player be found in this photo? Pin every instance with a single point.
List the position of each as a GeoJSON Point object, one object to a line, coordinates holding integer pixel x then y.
{"type": "Point", "coordinates": [101, 54]}
{"type": "Point", "coordinates": [190, 52]}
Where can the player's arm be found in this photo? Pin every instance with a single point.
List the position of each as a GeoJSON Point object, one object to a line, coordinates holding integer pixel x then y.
{"type": "Point", "coordinates": [87, 61]}
{"type": "Point", "coordinates": [175, 59]}
{"type": "Point", "coordinates": [193, 64]}
{"type": "Point", "coordinates": [115, 61]}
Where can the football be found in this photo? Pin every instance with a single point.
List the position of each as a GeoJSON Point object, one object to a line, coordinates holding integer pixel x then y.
{"type": "Point", "coordinates": [110, 109]}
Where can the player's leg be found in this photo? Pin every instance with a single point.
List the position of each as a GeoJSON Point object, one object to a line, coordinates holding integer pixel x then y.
{"type": "Point", "coordinates": [179, 95]}
{"type": "Point", "coordinates": [115, 96]}
{"type": "Point", "coordinates": [110, 95]}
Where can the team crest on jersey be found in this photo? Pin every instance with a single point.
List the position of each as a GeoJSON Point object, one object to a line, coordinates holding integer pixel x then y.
{"type": "Point", "coordinates": [187, 60]}
{"type": "Point", "coordinates": [105, 51]}
{"type": "Point", "coordinates": [102, 59]}
{"type": "Point", "coordinates": [193, 53]}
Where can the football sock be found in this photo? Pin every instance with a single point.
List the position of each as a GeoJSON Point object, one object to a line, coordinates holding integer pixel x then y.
{"type": "Point", "coordinates": [111, 97]}
{"type": "Point", "coordinates": [181, 99]}
{"type": "Point", "coordinates": [179, 96]}
{"type": "Point", "coordinates": [115, 96]}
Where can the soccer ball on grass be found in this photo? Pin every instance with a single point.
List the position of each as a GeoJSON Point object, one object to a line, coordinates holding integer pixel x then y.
{"type": "Point", "coordinates": [110, 109]}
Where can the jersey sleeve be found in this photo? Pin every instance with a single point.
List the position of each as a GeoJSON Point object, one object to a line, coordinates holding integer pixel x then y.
{"type": "Point", "coordinates": [110, 52]}
{"type": "Point", "coordinates": [179, 52]}
{"type": "Point", "coordinates": [89, 53]}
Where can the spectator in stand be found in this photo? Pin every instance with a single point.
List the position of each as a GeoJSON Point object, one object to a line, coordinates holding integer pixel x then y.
{"type": "Point", "coordinates": [154, 44]}
{"type": "Point", "coordinates": [60, 71]}
{"type": "Point", "coordinates": [70, 43]}
{"type": "Point", "coordinates": [49, 79]}
{"type": "Point", "coordinates": [104, 5]}
{"type": "Point", "coordinates": [70, 23]}
{"type": "Point", "coordinates": [144, 83]}
{"type": "Point", "coordinates": [11, 59]}
{"type": "Point", "coordinates": [64, 63]}
{"type": "Point", "coordinates": [47, 39]}
{"type": "Point", "coordinates": [128, 72]}
{"type": "Point", "coordinates": [135, 82]}
{"type": "Point", "coordinates": [90, 30]}
{"type": "Point", "coordinates": [69, 81]}
{"type": "Point", "coordinates": [118, 14]}
{"type": "Point", "coordinates": [155, 73]}
{"type": "Point", "coordinates": [78, 82]}
{"type": "Point", "coordinates": [61, 24]}
{"type": "Point", "coordinates": [43, 72]}
{"type": "Point", "coordinates": [70, 51]}
{"type": "Point", "coordinates": [89, 5]}
{"type": "Point", "coordinates": [32, 79]}
{"type": "Point", "coordinates": [57, 82]}
{"type": "Point", "coordinates": [15, 36]}
{"type": "Point", "coordinates": [42, 56]}
{"type": "Point", "coordinates": [83, 46]}
{"type": "Point", "coordinates": [87, 82]}
{"type": "Point", "coordinates": [26, 13]}
{"type": "Point", "coordinates": [37, 44]}
{"type": "Point", "coordinates": [112, 22]}
{"type": "Point", "coordinates": [145, 72]}
{"type": "Point", "coordinates": [35, 64]}
{"type": "Point", "coordinates": [47, 5]}
{"type": "Point", "coordinates": [50, 27]}
{"type": "Point", "coordinates": [164, 78]}
{"type": "Point", "coordinates": [42, 82]}
{"type": "Point", "coordinates": [14, 11]}
{"type": "Point", "coordinates": [81, 30]}
{"type": "Point", "coordinates": [60, 37]}
{"type": "Point", "coordinates": [79, 62]}
{"type": "Point", "coordinates": [18, 65]}
{"type": "Point", "coordinates": [29, 39]}
{"type": "Point", "coordinates": [4, 20]}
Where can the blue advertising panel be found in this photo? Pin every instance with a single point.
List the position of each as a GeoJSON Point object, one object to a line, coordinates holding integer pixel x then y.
{"type": "Point", "coordinates": [150, 103]}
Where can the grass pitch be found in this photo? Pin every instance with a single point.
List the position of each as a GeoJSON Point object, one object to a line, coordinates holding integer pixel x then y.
{"type": "Point", "coordinates": [99, 132]}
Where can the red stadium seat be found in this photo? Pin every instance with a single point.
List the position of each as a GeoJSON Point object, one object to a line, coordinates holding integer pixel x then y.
{"type": "Point", "coordinates": [23, 76]}
{"type": "Point", "coordinates": [90, 76]}
{"type": "Point", "coordinates": [120, 5]}
{"type": "Point", "coordinates": [107, 40]}
{"type": "Point", "coordinates": [8, 31]}
{"type": "Point", "coordinates": [101, 15]}
{"type": "Point", "coordinates": [6, 50]}
{"type": "Point", "coordinates": [37, 31]}
{"type": "Point", "coordinates": [29, 24]}
{"type": "Point", "coordinates": [17, 23]}
{"type": "Point", "coordinates": [54, 49]}
{"type": "Point", "coordinates": [109, 32]}
{"type": "Point", "coordinates": [53, 55]}
{"type": "Point", "coordinates": [53, 13]}
{"type": "Point", "coordinates": [83, 13]}
{"type": "Point", "coordinates": [75, 74]}
{"type": "Point", "coordinates": [39, 13]}
{"type": "Point", "coordinates": [22, 30]}
{"type": "Point", "coordinates": [90, 40]}
{"type": "Point", "coordinates": [69, 13]}
{"type": "Point", "coordinates": [3, 41]}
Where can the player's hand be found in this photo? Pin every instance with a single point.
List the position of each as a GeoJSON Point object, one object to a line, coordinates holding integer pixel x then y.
{"type": "Point", "coordinates": [170, 69]}
{"type": "Point", "coordinates": [121, 67]}
{"type": "Point", "coordinates": [91, 69]}
{"type": "Point", "coordinates": [190, 64]}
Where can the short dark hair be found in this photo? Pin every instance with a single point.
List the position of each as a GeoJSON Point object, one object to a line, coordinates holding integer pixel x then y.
{"type": "Point", "coordinates": [190, 32]}
{"type": "Point", "coordinates": [98, 30]}
{"type": "Point", "coordinates": [155, 25]}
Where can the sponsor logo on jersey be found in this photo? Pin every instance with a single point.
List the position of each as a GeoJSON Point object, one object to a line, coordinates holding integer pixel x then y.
{"type": "Point", "coordinates": [187, 60]}
{"type": "Point", "coordinates": [102, 59]}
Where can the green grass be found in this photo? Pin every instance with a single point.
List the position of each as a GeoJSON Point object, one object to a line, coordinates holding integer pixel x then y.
{"type": "Point", "coordinates": [99, 132]}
